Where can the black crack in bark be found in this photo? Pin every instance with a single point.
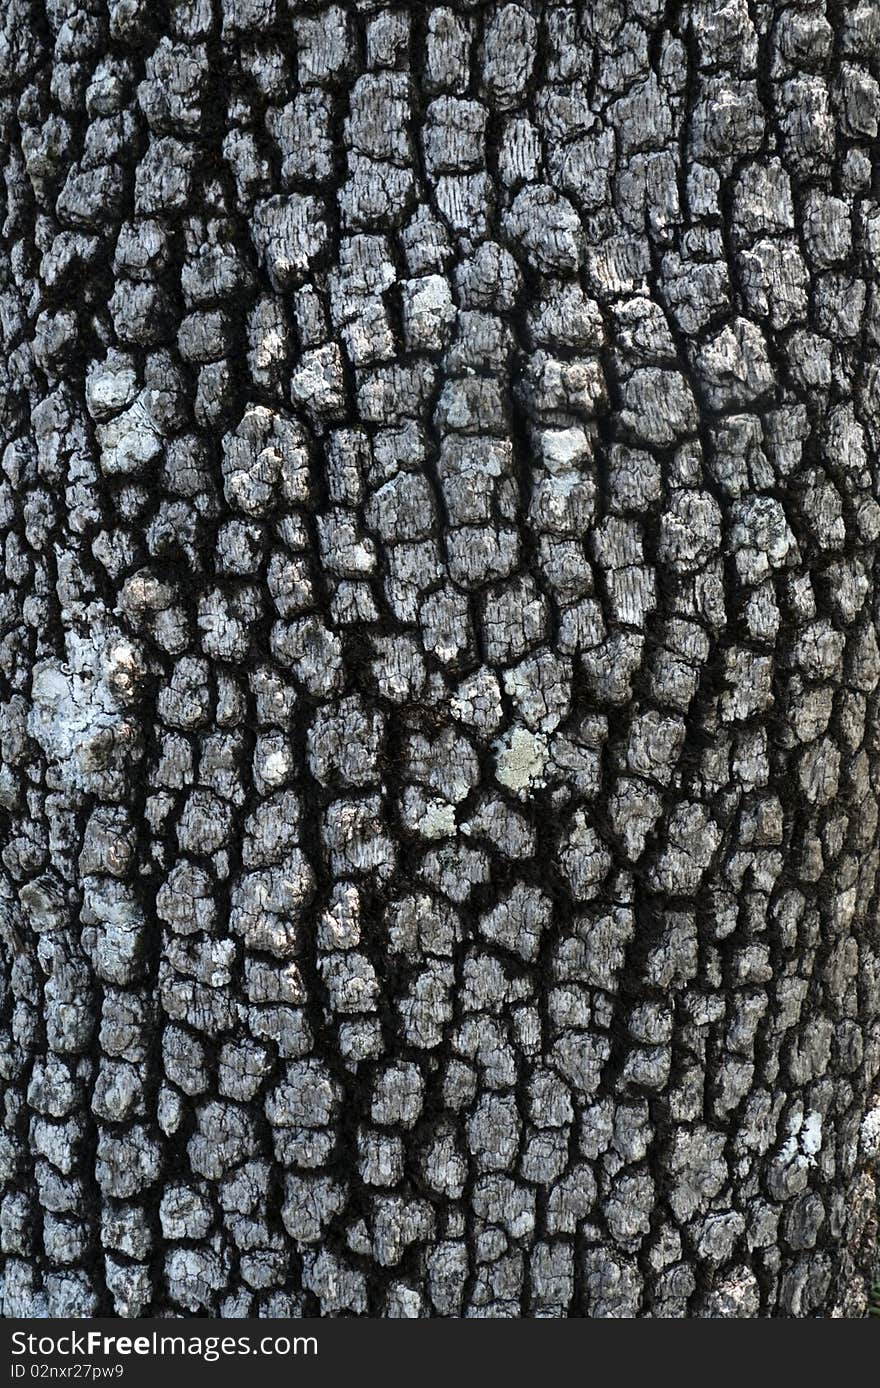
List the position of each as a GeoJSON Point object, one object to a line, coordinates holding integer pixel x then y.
{"type": "Point", "coordinates": [439, 670]}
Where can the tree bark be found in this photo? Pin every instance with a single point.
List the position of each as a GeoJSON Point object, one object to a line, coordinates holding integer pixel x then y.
{"type": "Point", "coordinates": [440, 729]}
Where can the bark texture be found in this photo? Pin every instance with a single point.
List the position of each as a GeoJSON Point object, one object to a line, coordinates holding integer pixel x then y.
{"type": "Point", "coordinates": [440, 726]}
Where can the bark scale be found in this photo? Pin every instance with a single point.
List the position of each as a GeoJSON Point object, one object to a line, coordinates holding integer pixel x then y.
{"type": "Point", "coordinates": [439, 673]}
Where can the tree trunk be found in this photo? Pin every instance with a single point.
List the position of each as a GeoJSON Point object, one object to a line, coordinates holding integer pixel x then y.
{"type": "Point", "coordinates": [440, 727]}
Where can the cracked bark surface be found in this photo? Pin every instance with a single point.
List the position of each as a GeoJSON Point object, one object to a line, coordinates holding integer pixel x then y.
{"type": "Point", "coordinates": [439, 668]}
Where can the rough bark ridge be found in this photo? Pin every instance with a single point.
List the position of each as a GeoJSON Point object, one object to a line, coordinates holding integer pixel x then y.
{"type": "Point", "coordinates": [440, 724]}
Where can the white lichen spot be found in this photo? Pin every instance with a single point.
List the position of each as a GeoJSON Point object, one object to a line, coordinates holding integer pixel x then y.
{"type": "Point", "coordinates": [521, 757]}
{"type": "Point", "coordinates": [438, 821]}
{"type": "Point", "coordinates": [870, 1132]}
{"type": "Point", "coordinates": [564, 450]}
{"type": "Point", "coordinates": [811, 1136]}
{"type": "Point", "coordinates": [76, 713]}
